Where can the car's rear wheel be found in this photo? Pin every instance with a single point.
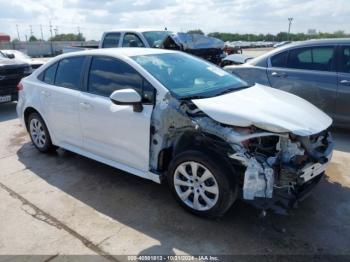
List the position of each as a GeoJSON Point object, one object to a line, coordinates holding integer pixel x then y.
{"type": "Point", "coordinates": [39, 134]}
{"type": "Point", "coordinates": [201, 184]}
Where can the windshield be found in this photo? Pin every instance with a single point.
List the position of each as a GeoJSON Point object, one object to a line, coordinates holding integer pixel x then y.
{"type": "Point", "coordinates": [155, 38]}
{"type": "Point", "coordinates": [189, 77]}
{"type": "Point", "coordinates": [2, 55]}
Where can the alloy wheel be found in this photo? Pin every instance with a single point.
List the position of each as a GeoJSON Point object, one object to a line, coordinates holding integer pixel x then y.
{"type": "Point", "coordinates": [196, 186]}
{"type": "Point", "coordinates": [37, 133]}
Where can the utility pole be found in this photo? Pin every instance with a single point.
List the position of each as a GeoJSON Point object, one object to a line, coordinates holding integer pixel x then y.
{"type": "Point", "coordinates": [42, 35]}
{"type": "Point", "coordinates": [56, 30]}
{"type": "Point", "coordinates": [18, 33]}
{"type": "Point", "coordinates": [51, 29]}
{"type": "Point", "coordinates": [290, 19]}
{"type": "Point", "coordinates": [31, 30]}
{"type": "Point", "coordinates": [51, 39]}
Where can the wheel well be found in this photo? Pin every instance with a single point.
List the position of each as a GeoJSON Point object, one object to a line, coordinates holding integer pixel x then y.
{"type": "Point", "coordinates": [193, 141]}
{"type": "Point", "coordinates": [27, 112]}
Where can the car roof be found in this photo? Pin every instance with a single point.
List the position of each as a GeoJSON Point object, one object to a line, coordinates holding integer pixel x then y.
{"type": "Point", "coordinates": [125, 51]}
{"type": "Point", "coordinates": [139, 30]}
{"type": "Point", "coordinates": [330, 41]}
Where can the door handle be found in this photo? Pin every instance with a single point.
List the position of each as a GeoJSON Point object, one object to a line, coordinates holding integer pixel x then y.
{"type": "Point", "coordinates": [345, 82]}
{"type": "Point", "coordinates": [276, 74]}
{"type": "Point", "coordinates": [45, 93]}
{"type": "Point", "coordinates": [85, 105]}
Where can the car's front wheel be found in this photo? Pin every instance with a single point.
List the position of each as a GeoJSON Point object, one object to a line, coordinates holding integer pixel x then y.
{"type": "Point", "coordinates": [201, 184]}
{"type": "Point", "coordinates": [39, 134]}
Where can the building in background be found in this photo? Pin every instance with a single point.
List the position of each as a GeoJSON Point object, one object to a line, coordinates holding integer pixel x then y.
{"type": "Point", "coordinates": [312, 32]}
{"type": "Point", "coordinates": [4, 38]}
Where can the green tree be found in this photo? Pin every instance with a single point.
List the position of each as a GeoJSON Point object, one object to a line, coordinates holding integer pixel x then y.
{"type": "Point", "coordinates": [32, 39]}
{"type": "Point", "coordinates": [68, 37]}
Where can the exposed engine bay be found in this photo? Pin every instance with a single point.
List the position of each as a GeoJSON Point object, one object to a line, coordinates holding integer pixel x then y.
{"type": "Point", "coordinates": [267, 162]}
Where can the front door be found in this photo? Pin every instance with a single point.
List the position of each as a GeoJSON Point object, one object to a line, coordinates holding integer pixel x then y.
{"type": "Point", "coordinates": [114, 132]}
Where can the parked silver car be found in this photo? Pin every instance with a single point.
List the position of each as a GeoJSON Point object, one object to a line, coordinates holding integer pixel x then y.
{"type": "Point", "coordinates": [316, 70]}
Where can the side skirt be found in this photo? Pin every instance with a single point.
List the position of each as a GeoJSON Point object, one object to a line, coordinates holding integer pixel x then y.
{"type": "Point", "coordinates": [144, 174]}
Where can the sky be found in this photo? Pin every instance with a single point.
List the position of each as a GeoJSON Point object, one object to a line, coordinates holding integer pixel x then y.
{"type": "Point", "coordinates": [235, 16]}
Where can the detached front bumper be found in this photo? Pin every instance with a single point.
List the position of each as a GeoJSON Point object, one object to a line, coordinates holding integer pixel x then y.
{"type": "Point", "coordinates": [290, 176]}
{"type": "Point", "coordinates": [285, 199]}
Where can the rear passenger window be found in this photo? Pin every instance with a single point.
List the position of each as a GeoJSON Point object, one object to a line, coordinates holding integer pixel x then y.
{"type": "Point", "coordinates": [49, 74]}
{"type": "Point", "coordinates": [279, 60]}
{"type": "Point", "coordinates": [108, 74]}
{"type": "Point", "coordinates": [313, 58]}
{"type": "Point", "coordinates": [322, 58]}
{"type": "Point", "coordinates": [69, 72]}
{"type": "Point", "coordinates": [111, 40]}
{"type": "Point", "coordinates": [300, 58]}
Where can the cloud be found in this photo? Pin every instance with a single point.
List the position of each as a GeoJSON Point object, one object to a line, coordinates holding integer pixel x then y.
{"type": "Point", "coordinates": [240, 16]}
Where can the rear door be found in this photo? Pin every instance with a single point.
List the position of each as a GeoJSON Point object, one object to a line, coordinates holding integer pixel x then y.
{"type": "Point", "coordinates": [308, 72]}
{"type": "Point", "coordinates": [343, 99]}
{"type": "Point", "coordinates": [60, 100]}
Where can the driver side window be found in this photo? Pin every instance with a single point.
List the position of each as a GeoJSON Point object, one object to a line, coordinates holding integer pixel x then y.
{"type": "Point", "coordinates": [108, 74]}
{"type": "Point", "coordinates": [132, 40]}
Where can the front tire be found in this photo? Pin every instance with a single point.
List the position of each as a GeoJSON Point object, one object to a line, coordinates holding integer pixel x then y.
{"type": "Point", "coordinates": [39, 134]}
{"type": "Point", "coordinates": [201, 184]}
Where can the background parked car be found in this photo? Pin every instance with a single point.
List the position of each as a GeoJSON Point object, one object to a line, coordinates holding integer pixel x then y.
{"type": "Point", "coordinates": [11, 72]}
{"type": "Point", "coordinates": [281, 44]}
{"type": "Point", "coordinates": [235, 59]}
{"type": "Point", "coordinates": [316, 70]}
{"type": "Point", "coordinates": [20, 56]}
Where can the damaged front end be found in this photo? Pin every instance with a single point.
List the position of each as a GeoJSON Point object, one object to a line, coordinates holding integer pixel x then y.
{"type": "Point", "coordinates": [280, 168]}
{"type": "Point", "coordinates": [274, 170]}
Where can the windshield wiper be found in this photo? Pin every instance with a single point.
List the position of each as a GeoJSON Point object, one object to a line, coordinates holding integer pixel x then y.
{"type": "Point", "coordinates": [194, 97]}
{"type": "Point", "coordinates": [229, 90]}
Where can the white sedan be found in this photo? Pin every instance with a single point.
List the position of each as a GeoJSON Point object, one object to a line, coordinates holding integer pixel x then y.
{"type": "Point", "coordinates": [166, 114]}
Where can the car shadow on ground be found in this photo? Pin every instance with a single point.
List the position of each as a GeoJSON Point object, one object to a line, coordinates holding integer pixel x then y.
{"type": "Point", "coordinates": [8, 111]}
{"type": "Point", "coordinates": [341, 139]}
{"type": "Point", "coordinates": [320, 225]}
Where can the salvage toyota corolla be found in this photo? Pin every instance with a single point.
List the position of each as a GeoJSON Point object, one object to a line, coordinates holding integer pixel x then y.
{"type": "Point", "coordinates": [162, 114]}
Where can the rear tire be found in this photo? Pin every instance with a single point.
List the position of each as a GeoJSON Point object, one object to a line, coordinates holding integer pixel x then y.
{"type": "Point", "coordinates": [39, 134]}
{"type": "Point", "coordinates": [202, 183]}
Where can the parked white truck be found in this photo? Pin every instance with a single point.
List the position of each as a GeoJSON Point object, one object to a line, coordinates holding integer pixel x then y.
{"type": "Point", "coordinates": [208, 48]}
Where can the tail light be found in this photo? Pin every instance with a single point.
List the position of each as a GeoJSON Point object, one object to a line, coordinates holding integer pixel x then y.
{"type": "Point", "coordinates": [19, 86]}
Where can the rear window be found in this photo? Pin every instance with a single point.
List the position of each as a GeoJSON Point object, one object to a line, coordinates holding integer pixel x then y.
{"type": "Point", "coordinates": [69, 72]}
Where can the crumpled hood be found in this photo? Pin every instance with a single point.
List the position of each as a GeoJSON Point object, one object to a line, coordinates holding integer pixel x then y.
{"type": "Point", "coordinates": [266, 108]}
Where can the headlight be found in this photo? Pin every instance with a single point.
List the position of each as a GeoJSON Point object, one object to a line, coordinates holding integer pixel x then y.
{"type": "Point", "coordinates": [28, 70]}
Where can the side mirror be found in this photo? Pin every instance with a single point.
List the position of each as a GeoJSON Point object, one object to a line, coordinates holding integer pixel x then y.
{"type": "Point", "coordinates": [127, 97]}
{"type": "Point", "coordinates": [11, 56]}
